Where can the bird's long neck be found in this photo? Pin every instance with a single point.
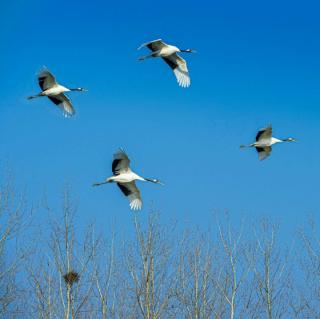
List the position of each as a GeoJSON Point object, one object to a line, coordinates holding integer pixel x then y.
{"type": "Point", "coordinates": [276, 140]}
{"type": "Point", "coordinates": [140, 178]}
{"type": "Point", "coordinates": [77, 89]}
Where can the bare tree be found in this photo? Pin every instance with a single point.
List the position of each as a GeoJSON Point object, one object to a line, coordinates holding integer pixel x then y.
{"type": "Point", "coordinates": [307, 303]}
{"type": "Point", "coordinates": [195, 292]}
{"type": "Point", "coordinates": [105, 280]}
{"type": "Point", "coordinates": [231, 271]}
{"type": "Point", "coordinates": [271, 274]}
{"type": "Point", "coordinates": [151, 276]}
{"type": "Point", "coordinates": [14, 218]}
{"type": "Point", "coordinates": [236, 272]}
{"type": "Point", "coordinates": [62, 276]}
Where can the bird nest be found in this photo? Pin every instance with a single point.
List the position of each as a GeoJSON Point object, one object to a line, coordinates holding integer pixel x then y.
{"type": "Point", "coordinates": [71, 277]}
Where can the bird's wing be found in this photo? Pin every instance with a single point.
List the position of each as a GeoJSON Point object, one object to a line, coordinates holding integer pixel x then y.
{"type": "Point", "coordinates": [46, 80]}
{"type": "Point", "coordinates": [263, 152]}
{"type": "Point", "coordinates": [180, 70]}
{"type": "Point", "coordinates": [132, 192]}
{"type": "Point", "coordinates": [154, 45]}
{"type": "Point", "coordinates": [64, 103]}
{"type": "Point", "coordinates": [120, 163]}
{"type": "Point", "coordinates": [264, 133]}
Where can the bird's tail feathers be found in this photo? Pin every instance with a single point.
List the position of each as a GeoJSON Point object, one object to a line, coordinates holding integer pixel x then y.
{"type": "Point", "coordinates": [244, 146]}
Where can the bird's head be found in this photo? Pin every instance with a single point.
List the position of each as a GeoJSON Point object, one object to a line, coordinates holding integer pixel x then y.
{"type": "Point", "coordinates": [158, 182]}
{"type": "Point", "coordinates": [189, 51]}
{"type": "Point", "coordinates": [290, 139]}
{"type": "Point", "coordinates": [153, 180]}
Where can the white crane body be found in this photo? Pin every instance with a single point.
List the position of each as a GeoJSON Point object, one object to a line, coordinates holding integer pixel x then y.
{"type": "Point", "coordinates": [169, 54]}
{"type": "Point", "coordinates": [167, 51]}
{"type": "Point", "coordinates": [125, 179]}
{"type": "Point", "coordinates": [264, 141]}
{"type": "Point", "coordinates": [267, 142]}
{"type": "Point", "coordinates": [55, 92]}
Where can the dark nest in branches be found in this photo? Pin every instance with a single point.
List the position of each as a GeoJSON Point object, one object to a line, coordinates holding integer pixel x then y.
{"type": "Point", "coordinates": [71, 277]}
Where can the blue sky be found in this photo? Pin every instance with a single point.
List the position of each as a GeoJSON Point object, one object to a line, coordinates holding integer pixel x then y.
{"type": "Point", "coordinates": [256, 63]}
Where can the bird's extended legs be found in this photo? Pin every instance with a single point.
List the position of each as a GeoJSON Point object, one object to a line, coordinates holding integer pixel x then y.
{"type": "Point", "coordinates": [34, 96]}
{"type": "Point", "coordinates": [151, 55]}
{"type": "Point", "coordinates": [250, 145]}
{"type": "Point", "coordinates": [102, 183]}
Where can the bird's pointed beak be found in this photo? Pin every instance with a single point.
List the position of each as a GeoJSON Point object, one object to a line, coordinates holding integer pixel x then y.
{"type": "Point", "coordinates": [160, 183]}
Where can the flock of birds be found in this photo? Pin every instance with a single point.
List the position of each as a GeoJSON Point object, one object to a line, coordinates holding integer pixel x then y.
{"type": "Point", "coordinates": [123, 176]}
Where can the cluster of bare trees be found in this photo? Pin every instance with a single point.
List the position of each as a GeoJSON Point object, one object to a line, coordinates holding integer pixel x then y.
{"type": "Point", "coordinates": [58, 270]}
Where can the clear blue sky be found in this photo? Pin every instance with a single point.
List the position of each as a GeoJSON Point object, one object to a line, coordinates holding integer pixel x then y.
{"type": "Point", "coordinates": [257, 63]}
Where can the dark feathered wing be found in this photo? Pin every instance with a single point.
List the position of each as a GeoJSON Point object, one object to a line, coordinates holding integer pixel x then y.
{"type": "Point", "coordinates": [264, 133]}
{"type": "Point", "coordinates": [180, 70]}
{"type": "Point", "coordinates": [64, 103]}
{"type": "Point", "coordinates": [263, 152]}
{"type": "Point", "coordinates": [154, 45]}
{"type": "Point", "coordinates": [46, 80]}
{"type": "Point", "coordinates": [121, 163]}
{"type": "Point", "coordinates": [132, 192]}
